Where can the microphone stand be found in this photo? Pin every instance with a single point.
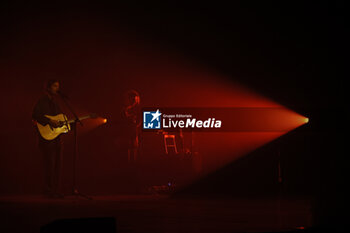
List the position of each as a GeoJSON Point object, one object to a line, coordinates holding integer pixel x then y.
{"type": "Point", "coordinates": [75, 191]}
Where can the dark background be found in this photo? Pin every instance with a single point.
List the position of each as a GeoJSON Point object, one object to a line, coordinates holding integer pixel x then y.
{"type": "Point", "coordinates": [287, 52]}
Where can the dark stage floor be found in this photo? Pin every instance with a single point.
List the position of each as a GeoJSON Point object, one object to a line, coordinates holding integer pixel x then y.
{"type": "Point", "coordinates": [136, 213]}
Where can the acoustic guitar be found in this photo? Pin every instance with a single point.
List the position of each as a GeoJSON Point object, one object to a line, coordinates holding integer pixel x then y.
{"type": "Point", "coordinates": [49, 133]}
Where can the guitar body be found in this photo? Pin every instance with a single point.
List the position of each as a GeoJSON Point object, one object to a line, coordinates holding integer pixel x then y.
{"type": "Point", "coordinates": [50, 133]}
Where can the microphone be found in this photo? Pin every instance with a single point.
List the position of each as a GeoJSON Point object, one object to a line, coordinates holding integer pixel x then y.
{"type": "Point", "coordinates": [62, 94]}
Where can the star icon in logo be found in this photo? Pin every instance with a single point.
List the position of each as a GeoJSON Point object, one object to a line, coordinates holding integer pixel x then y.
{"type": "Point", "coordinates": [156, 115]}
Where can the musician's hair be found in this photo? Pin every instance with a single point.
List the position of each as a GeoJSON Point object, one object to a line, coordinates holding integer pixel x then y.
{"type": "Point", "coordinates": [49, 83]}
{"type": "Point", "coordinates": [129, 96]}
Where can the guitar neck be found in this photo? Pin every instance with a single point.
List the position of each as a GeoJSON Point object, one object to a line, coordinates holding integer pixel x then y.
{"type": "Point", "coordinates": [80, 119]}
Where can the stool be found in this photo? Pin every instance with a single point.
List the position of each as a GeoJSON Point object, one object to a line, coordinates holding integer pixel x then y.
{"type": "Point", "coordinates": [171, 144]}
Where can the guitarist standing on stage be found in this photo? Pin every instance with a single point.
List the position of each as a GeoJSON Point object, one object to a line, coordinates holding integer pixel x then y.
{"type": "Point", "coordinates": [51, 150]}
